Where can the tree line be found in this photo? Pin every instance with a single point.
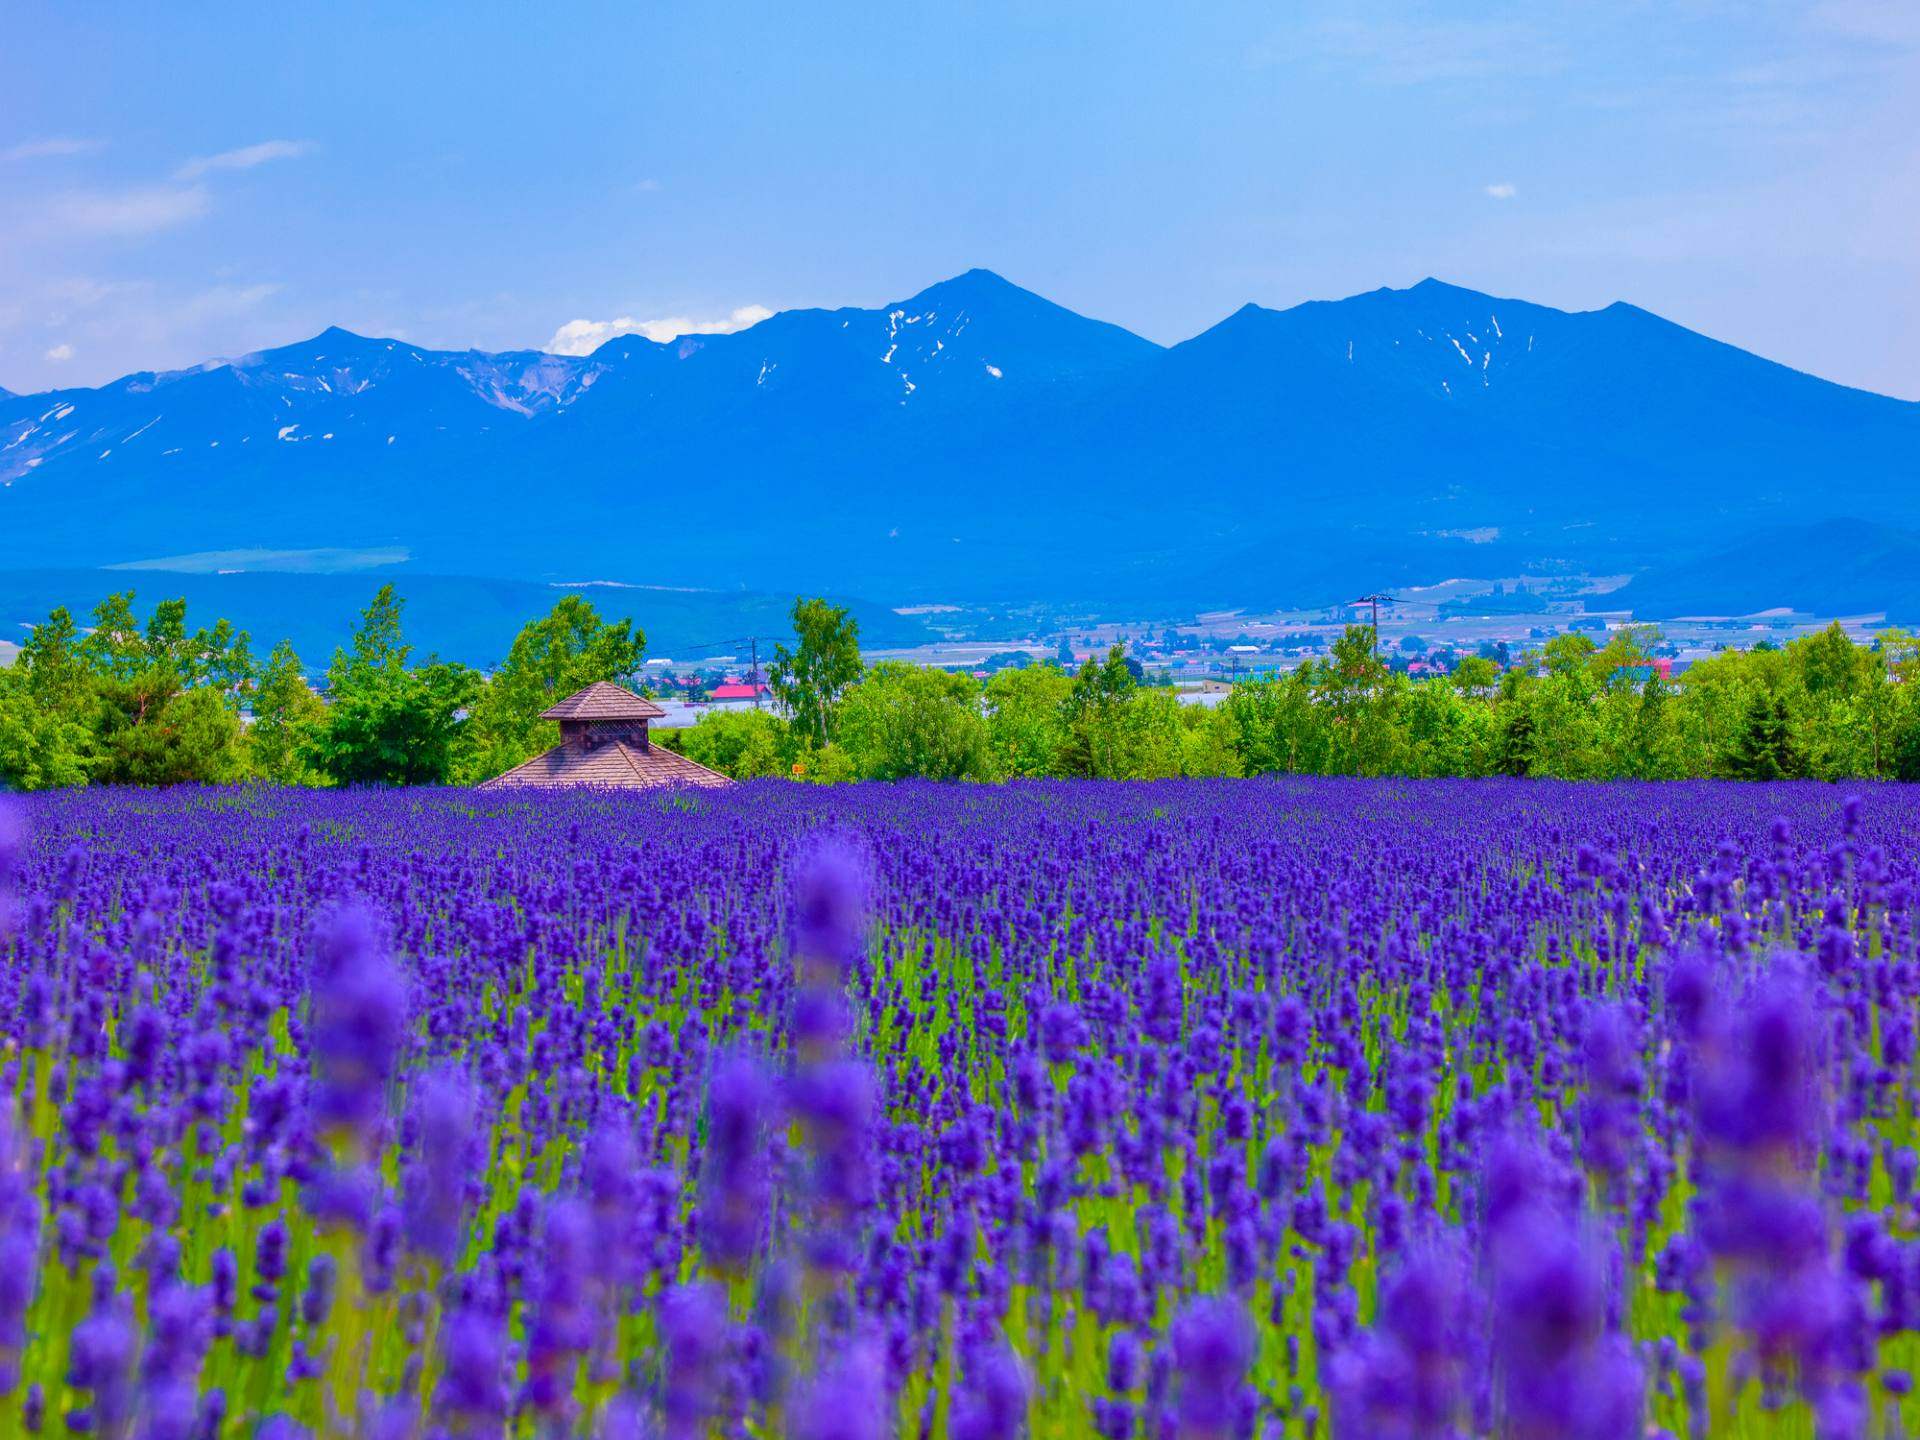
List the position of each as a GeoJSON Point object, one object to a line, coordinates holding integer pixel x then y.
{"type": "Point", "coordinates": [124, 703]}
{"type": "Point", "coordinates": [157, 703]}
{"type": "Point", "coordinates": [1818, 707]}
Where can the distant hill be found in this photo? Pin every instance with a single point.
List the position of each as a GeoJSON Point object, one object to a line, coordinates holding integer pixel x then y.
{"type": "Point", "coordinates": [1835, 567]}
{"type": "Point", "coordinates": [977, 442]}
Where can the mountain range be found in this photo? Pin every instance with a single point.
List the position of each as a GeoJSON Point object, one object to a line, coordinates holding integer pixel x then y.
{"type": "Point", "coordinates": [977, 443]}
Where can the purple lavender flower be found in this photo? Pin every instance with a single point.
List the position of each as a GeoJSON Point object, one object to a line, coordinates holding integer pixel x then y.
{"type": "Point", "coordinates": [847, 1400]}
{"type": "Point", "coordinates": [734, 1181]}
{"type": "Point", "coordinates": [359, 1018]}
{"type": "Point", "coordinates": [828, 909]}
{"type": "Point", "coordinates": [433, 1199]}
{"type": "Point", "coordinates": [1213, 1348]}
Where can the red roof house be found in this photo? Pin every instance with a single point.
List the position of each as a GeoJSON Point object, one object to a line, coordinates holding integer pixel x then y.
{"type": "Point", "coordinates": [604, 741]}
{"type": "Point", "coordinates": [735, 690]}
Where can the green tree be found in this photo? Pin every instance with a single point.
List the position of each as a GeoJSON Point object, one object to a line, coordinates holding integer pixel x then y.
{"type": "Point", "coordinates": [1906, 747]}
{"type": "Point", "coordinates": [1829, 664]}
{"type": "Point", "coordinates": [565, 650]}
{"type": "Point", "coordinates": [1095, 715]}
{"type": "Point", "coordinates": [42, 747]}
{"type": "Point", "coordinates": [1449, 732]}
{"type": "Point", "coordinates": [1765, 748]}
{"type": "Point", "coordinates": [165, 702]}
{"type": "Point", "coordinates": [825, 660]}
{"type": "Point", "coordinates": [1206, 742]}
{"type": "Point", "coordinates": [1026, 720]}
{"type": "Point", "coordinates": [1475, 672]}
{"type": "Point", "coordinates": [286, 716]}
{"type": "Point", "coordinates": [388, 724]}
{"type": "Point", "coordinates": [1362, 699]}
{"type": "Point", "coordinates": [191, 737]}
{"type": "Point", "coordinates": [1565, 655]}
{"type": "Point", "coordinates": [1628, 648]}
{"type": "Point", "coordinates": [1277, 724]}
{"type": "Point", "coordinates": [742, 744]}
{"type": "Point", "coordinates": [1149, 734]}
{"type": "Point", "coordinates": [901, 720]}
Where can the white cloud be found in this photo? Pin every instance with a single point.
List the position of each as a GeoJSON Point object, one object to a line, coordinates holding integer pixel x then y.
{"type": "Point", "coordinates": [583, 337]}
{"type": "Point", "coordinates": [138, 211]}
{"type": "Point", "coordinates": [1501, 190]}
{"type": "Point", "coordinates": [245, 158]}
{"type": "Point", "coordinates": [86, 330]}
{"type": "Point", "coordinates": [51, 147]}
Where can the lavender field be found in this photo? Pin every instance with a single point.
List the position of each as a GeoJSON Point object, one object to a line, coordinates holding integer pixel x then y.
{"type": "Point", "coordinates": [1200, 1109]}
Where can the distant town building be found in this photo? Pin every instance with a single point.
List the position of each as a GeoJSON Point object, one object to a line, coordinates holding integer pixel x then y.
{"type": "Point", "coordinates": [604, 742]}
{"type": "Point", "coordinates": [1660, 668]}
{"type": "Point", "coordinates": [736, 690]}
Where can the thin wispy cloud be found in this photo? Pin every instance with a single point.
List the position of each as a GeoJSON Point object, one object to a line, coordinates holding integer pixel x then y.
{"type": "Point", "coordinates": [140, 210]}
{"type": "Point", "coordinates": [1878, 22]}
{"type": "Point", "coordinates": [1500, 190]}
{"type": "Point", "coordinates": [583, 337]}
{"type": "Point", "coordinates": [1394, 49]}
{"type": "Point", "coordinates": [52, 147]}
{"type": "Point", "coordinates": [247, 157]}
{"type": "Point", "coordinates": [61, 353]}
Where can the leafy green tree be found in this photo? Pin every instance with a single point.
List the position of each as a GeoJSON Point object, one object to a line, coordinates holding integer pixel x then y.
{"type": "Point", "coordinates": [825, 660]}
{"type": "Point", "coordinates": [1206, 742]}
{"type": "Point", "coordinates": [57, 675]}
{"type": "Point", "coordinates": [1149, 737]}
{"type": "Point", "coordinates": [286, 716]}
{"type": "Point", "coordinates": [1096, 743]}
{"type": "Point", "coordinates": [1448, 732]}
{"type": "Point", "coordinates": [1513, 737]}
{"type": "Point", "coordinates": [1906, 747]}
{"type": "Point", "coordinates": [394, 729]}
{"type": "Point", "coordinates": [1628, 648]}
{"type": "Point", "coordinates": [190, 737]}
{"type": "Point", "coordinates": [565, 650]}
{"type": "Point", "coordinates": [1565, 655]}
{"type": "Point", "coordinates": [164, 702]}
{"type": "Point", "coordinates": [1475, 672]}
{"type": "Point", "coordinates": [1765, 748]}
{"type": "Point", "coordinates": [901, 720]}
{"type": "Point", "coordinates": [1362, 699]}
{"type": "Point", "coordinates": [742, 744]}
{"type": "Point", "coordinates": [42, 746]}
{"type": "Point", "coordinates": [388, 724]}
{"type": "Point", "coordinates": [1278, 725]}
{"type": "Point", "coordinates": [1829, 664]}
{"type": "Point", "coordinates": [1026, 720]}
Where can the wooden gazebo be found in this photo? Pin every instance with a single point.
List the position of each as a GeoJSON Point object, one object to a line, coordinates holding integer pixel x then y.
{"type": "Point", "coordinates": [604, 741]}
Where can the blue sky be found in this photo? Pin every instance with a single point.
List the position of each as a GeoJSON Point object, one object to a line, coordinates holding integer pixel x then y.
{"type": "Point", "coordinates": [179, 182]}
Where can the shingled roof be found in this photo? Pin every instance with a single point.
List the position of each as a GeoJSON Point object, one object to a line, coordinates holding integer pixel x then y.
{"type": "Point", "coordinates": [617, 763]}
{"type": "Point", "coordinates": [603, 701]}
{"type": "Point", "coordinates": [603, 731]}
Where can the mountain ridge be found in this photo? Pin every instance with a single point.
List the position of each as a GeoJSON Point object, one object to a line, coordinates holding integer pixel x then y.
{"type": "Point", "coordinates": [975, 441]}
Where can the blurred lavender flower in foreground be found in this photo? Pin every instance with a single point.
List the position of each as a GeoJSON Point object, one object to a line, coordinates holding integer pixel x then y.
{"type": "Point", "coordinates": [358, 1020]}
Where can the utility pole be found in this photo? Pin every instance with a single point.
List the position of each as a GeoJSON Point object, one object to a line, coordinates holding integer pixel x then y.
{"type": "Point", "coordinates": [1375, 601]}
{"type": "Point", "coordinates": [753, 675]}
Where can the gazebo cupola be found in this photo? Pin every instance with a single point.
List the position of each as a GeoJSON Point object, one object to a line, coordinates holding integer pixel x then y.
{"type": "Point", "coordinates": [602, 713]}
{"type": "Point", "coordinates": [604, 744]}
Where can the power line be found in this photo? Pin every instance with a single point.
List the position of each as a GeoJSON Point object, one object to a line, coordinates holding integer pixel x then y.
{"type": "Point", "coordinates": [1375, 601]}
